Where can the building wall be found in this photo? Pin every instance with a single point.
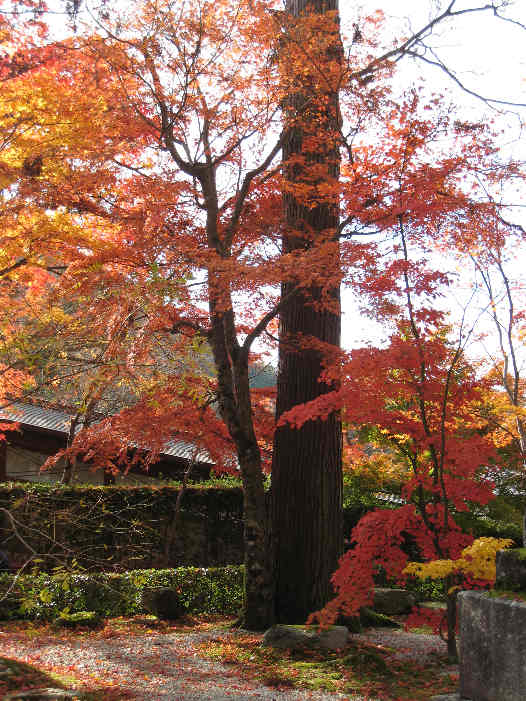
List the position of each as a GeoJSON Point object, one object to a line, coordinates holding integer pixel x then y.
{"type": "Point", "coordinates": [24, 464]}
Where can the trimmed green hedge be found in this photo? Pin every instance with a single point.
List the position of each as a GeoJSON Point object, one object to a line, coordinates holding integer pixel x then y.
{"type": "Point", "coordinates": [44, 596]}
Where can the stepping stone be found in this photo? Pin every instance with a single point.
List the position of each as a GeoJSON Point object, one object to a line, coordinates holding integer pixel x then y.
{"type": "Point", "coordinates": [299, 637]}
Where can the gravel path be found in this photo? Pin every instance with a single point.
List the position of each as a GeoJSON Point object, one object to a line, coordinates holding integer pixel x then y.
{"type": "Point", "coordinates": [404, 645]}
{"type": "Point", "coordinates": [150, 667]}
{"type": "Point", "coordinates": [155, 666]}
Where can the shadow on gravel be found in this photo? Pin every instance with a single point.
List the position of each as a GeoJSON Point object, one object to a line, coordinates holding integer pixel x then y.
{"type": "Point", "coordinates": [18, 677]}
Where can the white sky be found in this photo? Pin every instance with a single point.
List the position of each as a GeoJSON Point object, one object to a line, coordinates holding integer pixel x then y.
{"type": "Point", "coordinates": [489, 57]}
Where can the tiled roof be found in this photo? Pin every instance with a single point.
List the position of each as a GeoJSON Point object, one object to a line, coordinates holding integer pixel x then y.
{"type": "Point", "coordinates": [58, 422]}
{"type": "Point", "coordinates": [36, 416]}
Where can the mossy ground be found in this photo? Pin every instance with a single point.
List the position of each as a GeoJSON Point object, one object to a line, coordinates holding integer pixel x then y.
{"type": "Point", "coordinates": [361, 668]}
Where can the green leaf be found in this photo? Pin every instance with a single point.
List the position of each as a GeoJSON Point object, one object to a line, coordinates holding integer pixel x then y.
{"type": "Point", "coordinates": [46, 596]}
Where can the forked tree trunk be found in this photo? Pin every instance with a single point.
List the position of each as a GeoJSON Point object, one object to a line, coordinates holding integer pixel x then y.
{"type": "Point", "coordinates": [306, 468]}
{"type": "Point", "coordinates": [231, 363]}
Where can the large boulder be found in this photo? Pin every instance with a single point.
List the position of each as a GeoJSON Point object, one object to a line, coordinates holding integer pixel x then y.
{"type": "Point", "coordinates": [393, 602]}
{"type": "Point", "coordinates": [492, 647]}
{"type": "Point", "coordinates": [163, 602]}
{"type": "Point", "coordinates": [366, 618]}
{"type": "Point", "coordinates": [373, 619]}
{"type": "Point", "coordinates": [511, 569]}
{"type": "Point", "coordinates": [300, 637]}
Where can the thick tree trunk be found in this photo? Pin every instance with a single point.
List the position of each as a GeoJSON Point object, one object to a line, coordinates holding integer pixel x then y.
{"type": "Point", "coordinates": [258, 611]}
{"type": "Point", "coordinates": [3, 461]}
{"type": "Point", "coordinates": [306, 468]}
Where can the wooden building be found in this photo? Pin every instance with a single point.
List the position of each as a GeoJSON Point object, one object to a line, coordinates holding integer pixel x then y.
{"type": "Point", "coordinates": [43, 432]}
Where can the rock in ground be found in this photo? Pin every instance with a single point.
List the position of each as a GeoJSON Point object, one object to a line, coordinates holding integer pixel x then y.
{"type": "Point", "coordinates": [163, 602]}
{"type": "Point", "coordinates": [299, 637]}
{"type": "Point", "coordinates": [393, 602]}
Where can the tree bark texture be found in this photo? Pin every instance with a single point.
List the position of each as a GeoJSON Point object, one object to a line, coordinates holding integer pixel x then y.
{"type": "Point", "coordinates": [306, 507]}
{"type": "Point", "coordinates": [231, 364]}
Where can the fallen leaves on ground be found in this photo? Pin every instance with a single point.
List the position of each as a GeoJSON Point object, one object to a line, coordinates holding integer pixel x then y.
{"type": "Point", "coordinates": [362, 668]}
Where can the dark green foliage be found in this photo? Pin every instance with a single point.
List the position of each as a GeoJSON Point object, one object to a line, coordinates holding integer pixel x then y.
{"type": "Point", "coordinates": [44, 596]}
{"type": "Point", "coordinates": [122, 528]}
{"type": "Point", "coordinates": [481, 525]}
{"type": "Point", "coordinates": [87, 528]}
{"type": "Point", "coordinates": [511, 569]}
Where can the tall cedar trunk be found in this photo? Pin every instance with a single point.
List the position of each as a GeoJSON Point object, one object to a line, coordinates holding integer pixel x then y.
{"type": "Point", "coordinates": [306, 469]}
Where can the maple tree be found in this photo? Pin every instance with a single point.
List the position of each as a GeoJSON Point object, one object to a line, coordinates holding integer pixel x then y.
{"type": "Point", "coordinates": [418, 397]}
{"type": "Point", "coordinates": [143, 209]}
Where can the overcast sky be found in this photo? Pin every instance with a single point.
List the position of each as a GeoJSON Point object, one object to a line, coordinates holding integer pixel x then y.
{"type": "Point", "coordinates": [489, 57]}
{"type": "Point", "coordinates": [486, 52]}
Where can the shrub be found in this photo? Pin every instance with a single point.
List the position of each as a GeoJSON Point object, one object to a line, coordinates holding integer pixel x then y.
{"type": "Point", "coordinates": [44, 596]}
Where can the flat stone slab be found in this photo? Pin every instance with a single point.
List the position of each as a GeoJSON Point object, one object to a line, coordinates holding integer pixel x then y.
{"type": "Point", "coordinates": [492, 647]}
{"type": "Point", "coordinates": [299, 637]}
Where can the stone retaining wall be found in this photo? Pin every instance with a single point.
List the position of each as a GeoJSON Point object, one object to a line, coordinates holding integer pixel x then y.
{"type": "Point", "coordinates": [492, 647]}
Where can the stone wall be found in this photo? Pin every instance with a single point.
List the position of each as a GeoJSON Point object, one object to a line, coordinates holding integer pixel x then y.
{"type": "Point", "coordinates": [493, 634]}
{"type": "Point", "coordinates": [119, 528]}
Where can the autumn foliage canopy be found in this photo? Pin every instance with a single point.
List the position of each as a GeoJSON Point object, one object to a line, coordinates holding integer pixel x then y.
{"type": "Point", "coordinates": [140, 249]}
